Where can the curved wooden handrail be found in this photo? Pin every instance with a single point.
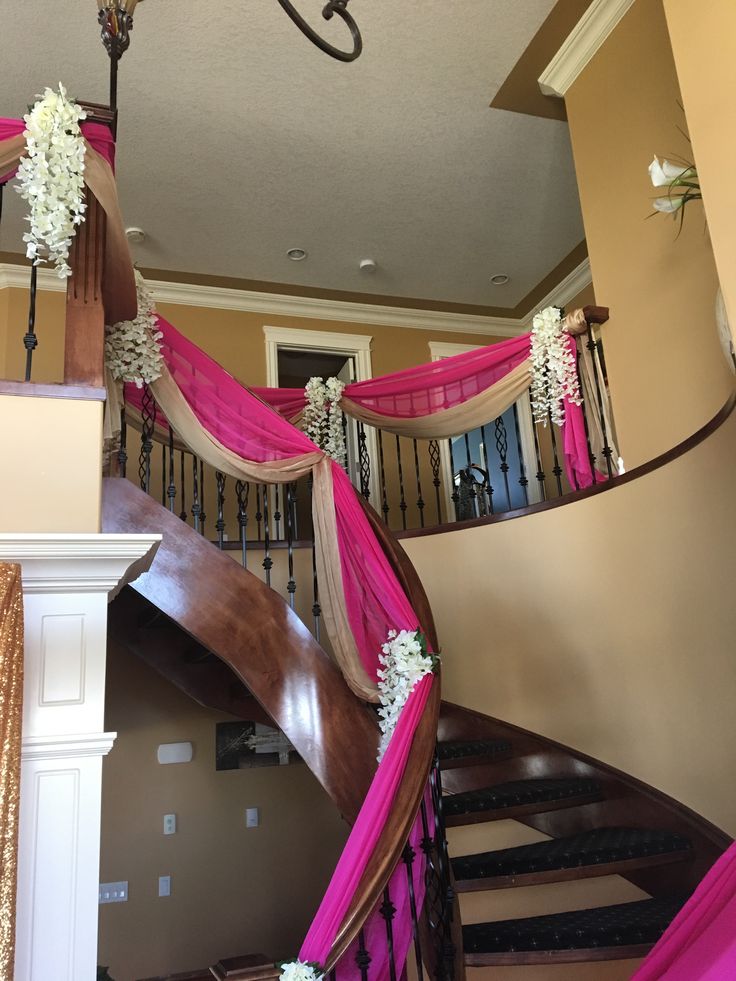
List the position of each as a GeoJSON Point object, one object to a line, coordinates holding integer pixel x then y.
{"type": "Point", "coordinates": [611, 484]}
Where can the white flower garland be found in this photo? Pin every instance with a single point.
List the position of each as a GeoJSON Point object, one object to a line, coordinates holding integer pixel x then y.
{"type": "Point", "coordinates": [554, 371]}
{"type": "Point", "coordinates": [297, 970]}
{"type": "Point", "coordinates": [132, 348]}
{"type": "Point", "coordinates": [51, 178]}
{"type": "Point", "coordinates": [405, 662]}
{"type": "Point", "coordinates": [323, 417]}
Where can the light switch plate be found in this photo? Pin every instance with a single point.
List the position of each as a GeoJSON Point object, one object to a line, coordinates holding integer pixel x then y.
{"type": "Point", "coordinates": [164, 885]}
{"type": "Point", "coordinates": [252, 817]}
{"type": "Point", "coordinates": [113, 892]}
{"type": "Point", "coordinates": [169, 824]}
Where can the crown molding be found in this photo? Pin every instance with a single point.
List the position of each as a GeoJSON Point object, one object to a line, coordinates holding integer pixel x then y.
{"type": "Point", "coordinates": [588, 35]}
{"type": "Point", "coordinates": [311, 308]}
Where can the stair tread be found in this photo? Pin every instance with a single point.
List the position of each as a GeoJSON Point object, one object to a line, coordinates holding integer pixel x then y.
{"type": "Point", "coordinates": [597, 847]}
{"type": "Point", "coordinates": [457, 749]}
{"type": "Point", "coordinates": [518, 793]}
{"type": "Point", "coordinates": [623, 925]}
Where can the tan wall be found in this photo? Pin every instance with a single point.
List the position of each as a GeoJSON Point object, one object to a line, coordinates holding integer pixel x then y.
{"type": "Point", "coordinates": [639, 672]}
{"type": "Point", "coordinates": [233, 890]}
{"type": "Point", "coordinates": [703, 43]}
{"type": "Point", "coordinates": [667, 373]}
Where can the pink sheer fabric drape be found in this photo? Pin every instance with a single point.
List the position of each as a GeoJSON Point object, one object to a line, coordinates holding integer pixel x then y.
{"type": "Point", "coordinates": [700, 943]}
{"type": "Point", "coordinates": [97, 135]}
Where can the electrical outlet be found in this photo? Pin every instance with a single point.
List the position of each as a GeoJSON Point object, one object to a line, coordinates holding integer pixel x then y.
{"type": "Point", "coordinates": [164, 885]}
{"type": "Point", "coordinates": [113, 892]}
{"type": "Point", "coordinates": [252, 817]}
{"type": "Point", "coordinates": [169, 824]}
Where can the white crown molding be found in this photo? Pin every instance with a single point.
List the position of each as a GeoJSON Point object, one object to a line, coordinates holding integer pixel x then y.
{"type": "Point", "coordinates": [55, 747]}
{"type": "Point", "coordinates": [588, 35]}
{"type": "Point", "coordinates": [567, 290]}
{"type": "Point", "coordinates": [310, 308]}
{"type": "Point", "coordinates": [78, 563]}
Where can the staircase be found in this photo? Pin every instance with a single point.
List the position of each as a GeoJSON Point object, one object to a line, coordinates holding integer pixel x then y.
{"type": "Point", "coordinates": [228, 641]}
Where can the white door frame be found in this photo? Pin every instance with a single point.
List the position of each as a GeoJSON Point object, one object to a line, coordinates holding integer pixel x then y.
{"type": "Point", "coordinates": [356, 346]}
{"type": "Point", "coordinates": [441, 349]}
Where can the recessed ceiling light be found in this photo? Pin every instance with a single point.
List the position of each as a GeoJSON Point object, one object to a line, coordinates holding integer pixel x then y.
{"type": "Point", "coordinates": [367, 265]}
{"type": "Point", "coordinates": [135, 235]}
{"type": "Point", "coordinates": [297, 254]}
{"type": "Point", "coordinates": [500, 279]}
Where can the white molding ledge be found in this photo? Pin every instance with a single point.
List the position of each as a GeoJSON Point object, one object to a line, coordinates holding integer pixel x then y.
{"type": "Point", "coordinates": [311, 308]}
{"type": "Point", "coordinates": [81, 563]}
{"type": "Point", "coordinates": [62, 747]}
{"type": "Point", "coordinates": [587, 37]}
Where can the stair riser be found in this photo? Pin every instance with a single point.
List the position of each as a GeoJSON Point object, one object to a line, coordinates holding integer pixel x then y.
{"type": "Point", "coordinates": [524, 810]}
{"type": "Point", "coordinates": [529, 957]}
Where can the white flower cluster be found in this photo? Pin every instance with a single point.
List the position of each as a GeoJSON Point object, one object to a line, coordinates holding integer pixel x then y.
{"type": "Point", "coordinates": [554, 371]}
{"type": "Point", "coordinates": [300, 971]}
{"type": "Point", "coordinates": [323, 417]}
{"type": "Point", "coordinates": [405, 662]}
{"type": "Point", "coordinates": [51, 178]}
{"type": "Point", "coordinates": [132, 349]}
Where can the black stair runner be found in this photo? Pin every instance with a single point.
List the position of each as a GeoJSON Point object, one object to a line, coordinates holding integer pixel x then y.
{"type": "Point", "coordinates": [598, 847]}
{"type": "Point", "coordinates": [624, 925]}
{"type": "Point", "coordinates": [458, 749]}
{"type": "Point", "coordinates": [520, 793]}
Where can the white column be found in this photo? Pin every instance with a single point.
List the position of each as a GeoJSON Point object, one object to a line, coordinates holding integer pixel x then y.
{"type": "Point", "coordinates": [68, 581]}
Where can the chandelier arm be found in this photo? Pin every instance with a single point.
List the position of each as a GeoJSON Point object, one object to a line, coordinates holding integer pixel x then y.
{"type": "Point", "coordinates": [332, 7]}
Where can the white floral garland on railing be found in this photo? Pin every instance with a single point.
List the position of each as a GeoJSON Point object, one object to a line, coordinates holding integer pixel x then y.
{"type": "Point", "coordinates": [51, 178]}
{"type": "Point", "coordinates": [405, 661]}
{"type": "Point", "coordinates": [297, 970]}
{"type": "Point", "coordinates": [323, 417]}
{"type": "Point", "coordinates": [132, 348]}
{"type": "Point", "coordinates": [554, 368]}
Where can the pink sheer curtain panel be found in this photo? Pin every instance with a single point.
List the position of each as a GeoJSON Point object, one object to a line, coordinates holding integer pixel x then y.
{"type": "Point", "coordinates": [288, 402]}
{"type": "Point", "coordinates": [700, 943]}
{"type": "Point", "coordinates": [97, 135]}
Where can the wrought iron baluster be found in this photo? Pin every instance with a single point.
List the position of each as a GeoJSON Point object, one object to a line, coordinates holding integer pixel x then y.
{"type": "Point", "coordinates": [388, 911]}
{"type": "Point", "coordinates": [502, 445]}
{"type": "Point", "coordinates": [171, 491]}
{"type": "Point", "coordinates": [277, 514]}
{"type": "Point", "coordinates": [541, 477]}
{"type": "Point", "coordinates": [183, 513]}
{"type": "Point", "coordinates": [556, 469]}
{"type": "Point", "coordinates": [420, 499]}
{"type": "Point", "coordinates": [123, 449]}
{"type": "Point", "coordinates": [434, 460]}
{"type": "Point", "coordinates": [316, 608]}
{"type": "Point", "coordinates": [471, 483]}
{"type": "Point", "coordinates": [196, 506]}
{"type": "Point", "coordinates": [522, 469]}
{"type": "Point", "coordinates": [402, 498]}
{"type": "Point", "coordinates": [344, 421]}
{"type": "Point", "coordinates": [163, 475]}
{"type": "Point", "coordinates": [455, 496]}
{"type": "Point", "coordinates": [384, 505]}
{"type": "Point", "coordinates": [30, 341]}
{"type": "Point", "coordinates": [488, 469]}
{"type": "Point", "coordinates": [443, 866]}
{"type": "Point", "coordinates": [202, 516]}
{"type": "Point", "coordinates": [242, 491]}
{"type": "Point", "coordinates": [148, 416]}
{"type": "Point", "coordinates": [364, 463]}
{"type": "Point", "coordinates": [362, 957]}
{"type": "Point", "coordinates": [220, 523]}
{"type": "Point", "coordinates": [593, 347]}
{"type": "Point", "coordinates": [294, 515]}
{"type": "Point", "coordinates": [291, 584]}
{"type": "Point", "coordinates": [267, 560]}
{"type": "Point", "coordinates": [408, 856]}
{"type": "Point", "coordinates": [259, 515]}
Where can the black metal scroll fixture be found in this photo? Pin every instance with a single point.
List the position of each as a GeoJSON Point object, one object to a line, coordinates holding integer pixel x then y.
{"type": "Point", "coordinates": [332, 7]}
{"type": "Point", "coordinates": [116, 23]}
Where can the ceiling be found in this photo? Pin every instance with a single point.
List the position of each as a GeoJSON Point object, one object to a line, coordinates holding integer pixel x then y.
{"type": "Point", "coordinates": [239, 140]}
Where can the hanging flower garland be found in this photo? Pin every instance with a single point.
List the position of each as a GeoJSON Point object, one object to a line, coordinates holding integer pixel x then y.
{"type": "Point", "coordinates": [323, 417]}
{"type": "Point", "coordinates": [405, 661]}
{"type": "Point", "coordinates": [51, 178]}
{"type": "Point", "coordinates": [297, 970]}
{"type": "Point", "coordinates": [554, 368]}
{"type": "Point", "coordinates": [132, 348]}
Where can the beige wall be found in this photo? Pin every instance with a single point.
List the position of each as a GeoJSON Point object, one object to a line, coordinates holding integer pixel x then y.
{"type": "Point", "coordinates": [639, 672]}
{"type": "Point", "coordinates": [666, 370]}
{"type": "Point", "coordinates": [233, 890]}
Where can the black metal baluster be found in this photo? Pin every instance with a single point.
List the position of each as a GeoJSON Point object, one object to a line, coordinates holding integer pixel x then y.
{"type": "Point", "coordinates": [196, 506]}
{"type": "Point", "coordinates": [344, 421]}
{"type": "Point", "coordinates": [277, 514]}
{"type": "Point", "coordinates": [30, 341]}
{"type": "Point", "coordinates": [420, 499]}
{"type": "Point", "coordinates": [123, 450]}
{"type": "Point", "coordinates": [267, 560]}
{"type": "Point", "coordinates": [183, 513]}
{"type": "Point", "coordinates": [522, 469]}
{"type": "Point", "coordinates": [402, 498]}
{"type": "Point", "coordinates": [202, 516]}
{"type": "Point", "coordinates": [388, 911]}
{"type": "Point", "coordinates": [502, 445]}
{"type": "Point", "coordinates": [294, 512]}
{"type": "Point", "coordinates": [607, 451]}
{"type": "Point", "coordinates": [242, 491]}
{"type": "Point", "coordinates": [443, 866]}
{"type": "Point", "coordinates": [259, 515]}
{"type": "Point", "coordinates": [434, 460]}
{"type": "Point", "coordinates": [148, 417]}
{"type": "Point", "coordinates": [163, 475]}
{"type": "Point", "coordinates": [471, 482]}
{"type": "Point", "coordinates": [364, 463]}
{"type": "Point", "coordinates": [556, 469]}
{"type": "Point", "coordinates": [171, 491]}
{"type": "Point", "coordinates": [220, 523]}
{"type": "Point", "coordinates": [384, 505]}
{"type": "Point", "coordinates": [541, 477]}
{"type": "Point", "coordinates": [488, 468]}
{"type": "Point", "coordinates": [455, 497]}
{"type": "Point", "coordinates": [291, 584]}
{"type": "Point", "coordinates": [408, 855]}
{"type": "Point", "coordinates": [316, 608]}
{"type": "Point", "coordinates": [362, 957]}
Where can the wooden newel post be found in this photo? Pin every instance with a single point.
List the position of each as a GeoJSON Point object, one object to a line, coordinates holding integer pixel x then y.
{"type": "Point", "coordinates": [85, 318]}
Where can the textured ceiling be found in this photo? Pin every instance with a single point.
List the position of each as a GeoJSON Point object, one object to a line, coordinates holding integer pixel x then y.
{"type": "Point", "coordinates": [239, 140]}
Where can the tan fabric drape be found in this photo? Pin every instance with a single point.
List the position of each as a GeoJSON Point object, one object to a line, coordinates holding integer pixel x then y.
{"type": "Point", "coordinates": [488, 404]}
{"type": "Point", "coordinates": [327, 554]}
{"type": "Point", "coordinates": [11, 703]}
{"type": "Point", "coordinates": [590, 370]}
{"type": "Point", "coordinates": [118, 279]}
